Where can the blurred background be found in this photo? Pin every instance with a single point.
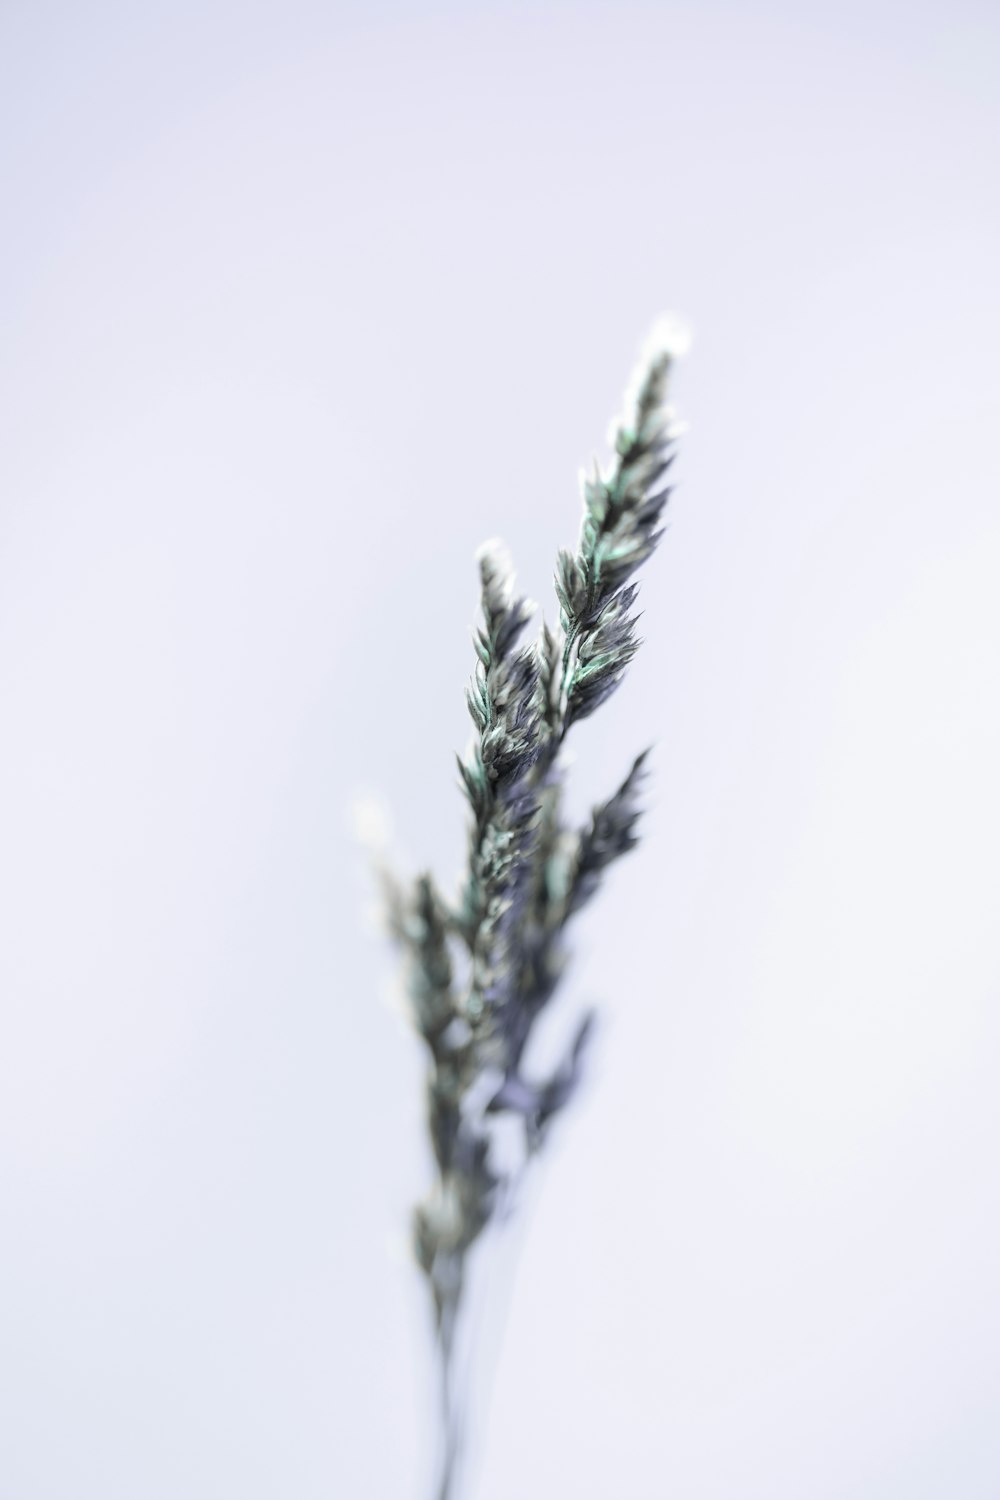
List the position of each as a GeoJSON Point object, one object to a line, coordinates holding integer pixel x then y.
{"type": "Point", "coordinates": [298, 304]}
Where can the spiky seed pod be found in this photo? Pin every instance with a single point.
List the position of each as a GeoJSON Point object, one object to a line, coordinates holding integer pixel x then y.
{"type": "Point", "coordinates": [610, 834]}
{"type": "Point", "coordinates": [550, 649]}
{"type": "Point", "coordinates": [431, 966]}
{"type": "Point", "coordinates": [620, 530]}
{"type": "Point", "coordinates": [603, 652]}
{"type": "Point", "coordinates": [528, 873]}
{"type": "Point", "coordinates": [503, 702]}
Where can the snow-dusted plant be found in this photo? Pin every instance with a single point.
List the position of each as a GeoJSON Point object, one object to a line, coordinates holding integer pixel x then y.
{"type": "Point", "coordinates": [481, 968]}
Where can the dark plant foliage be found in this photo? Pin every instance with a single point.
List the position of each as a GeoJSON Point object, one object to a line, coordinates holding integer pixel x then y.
{"type": "Point", "coordinates": [481, 970]}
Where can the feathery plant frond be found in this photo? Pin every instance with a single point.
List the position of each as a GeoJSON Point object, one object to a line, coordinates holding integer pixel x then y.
{"type": "Point", "coordinates": [620, 530]}
{"type": "Point", "coordinates": [481, 971]}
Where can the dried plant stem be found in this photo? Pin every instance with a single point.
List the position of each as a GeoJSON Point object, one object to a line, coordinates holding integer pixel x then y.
{"type": "Point", "coordinates": [482, 969]}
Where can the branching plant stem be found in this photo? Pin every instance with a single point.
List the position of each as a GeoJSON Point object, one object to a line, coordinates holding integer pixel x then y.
{"type": "Point", "coordinates": [481, 970]}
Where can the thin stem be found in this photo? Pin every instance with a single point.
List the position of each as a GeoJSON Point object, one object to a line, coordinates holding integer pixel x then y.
{"type": "Point", "coordinates": [451, 1424]}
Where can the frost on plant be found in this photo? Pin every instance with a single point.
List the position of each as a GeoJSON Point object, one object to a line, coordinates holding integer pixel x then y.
{"type": "Point", "coordinates": [481, 968]}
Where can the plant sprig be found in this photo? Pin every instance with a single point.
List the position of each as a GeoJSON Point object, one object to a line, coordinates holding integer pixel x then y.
{"type": "Point", "coordinates": [481, 970]}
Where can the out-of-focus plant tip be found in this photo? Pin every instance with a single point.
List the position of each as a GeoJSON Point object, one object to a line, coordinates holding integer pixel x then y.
{"type": "Point", "coordinates": [482, 967]}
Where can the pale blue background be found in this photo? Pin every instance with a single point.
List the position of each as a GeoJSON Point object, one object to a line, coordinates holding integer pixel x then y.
{"type": "Point", "coordinates": [299, 303]}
